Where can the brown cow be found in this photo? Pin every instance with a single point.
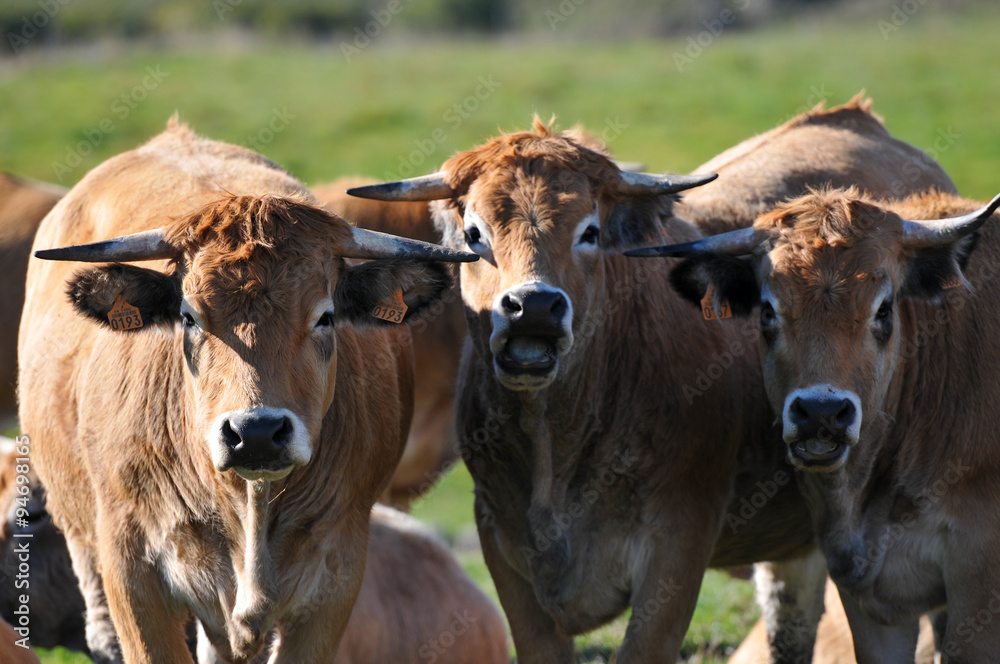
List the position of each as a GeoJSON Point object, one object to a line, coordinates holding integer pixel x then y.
{"type": "Point", "coordinates": [590, 401]}
{"type": "Point", "coordinates": [214, 444]}
{"type": "Point", "coordinates": [416, 603]}
{"type": "Point", "coordinates": [874, 344]}
{"type": "Point", "coordinates": [23, 203]}
{"type": "Point", "coordinates": [437, 341]}
{"type": "Point", "coordinates": [10, 652]}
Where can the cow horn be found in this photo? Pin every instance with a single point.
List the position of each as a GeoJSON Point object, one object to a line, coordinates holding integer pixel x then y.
{"type": "Point", "coordinates": [144, 246]}
{"type": "Point", "coordinates": [733, 243]}
{"type": "Point", "coordinates": [372, 244]}
{"type": "Point", "coordinates": [920, 234]}
{"type": "Point", "coordinates": [423, 188]}
{"type": "Point", "coordinates": [650, 184]}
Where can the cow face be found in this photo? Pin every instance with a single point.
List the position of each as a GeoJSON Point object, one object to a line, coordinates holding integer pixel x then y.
{"type": "Point", "coordinates": [827, 273]}
{"type": "Point", "coordinates": [259, 289]}
{"type": "Point", "coordinates": [540, 209]}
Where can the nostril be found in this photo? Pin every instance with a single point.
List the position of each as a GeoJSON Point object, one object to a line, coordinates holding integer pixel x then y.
{"type": "Point", "coordinates": [510, 304]}
{"type": "Point", "coordinates": [798, 413]}
{"type": "Point", "coordinates": [255, 430]}
{"type": "Point", "coordinates": [846, 415]}
{"type": "Point", "coordinates": [230, 437]}
{"type": "Point", "coordinates": [284, 434]}
{"type": "Point", "coordinates": [558, 308]}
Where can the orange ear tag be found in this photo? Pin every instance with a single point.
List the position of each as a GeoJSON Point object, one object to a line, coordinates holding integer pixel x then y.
{"type": "Point", "coordinates": [391, 310]}
{"type": "Point", "coordinates": [709, 312]}
{"type": "Point", "coordinates": [123, 316]}
{"type": "Point", "coordinates": [952, 282]}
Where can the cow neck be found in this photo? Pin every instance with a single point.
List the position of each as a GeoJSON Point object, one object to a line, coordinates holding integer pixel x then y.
{"type": "Point", "coordinates": [256, 590]}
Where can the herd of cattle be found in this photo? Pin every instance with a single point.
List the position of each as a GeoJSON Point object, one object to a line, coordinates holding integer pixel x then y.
{"type": "Point", "coordinates": [215, 389]}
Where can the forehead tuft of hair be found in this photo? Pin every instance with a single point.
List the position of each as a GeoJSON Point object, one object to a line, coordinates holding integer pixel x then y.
{"type": "Point", "coordinates": [837, 218]}
{"type": "Point", "coordinates": [536, 151]}
{"type": "Point", "coordinates": [236, 227]}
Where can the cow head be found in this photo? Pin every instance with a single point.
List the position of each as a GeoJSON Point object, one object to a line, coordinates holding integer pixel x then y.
{"type": "Point", "coordinates": [827, 272]}
{"type": "Point", "coordinates": [256, 290]}
{"type": "Point", "coordinates": [540, 209]}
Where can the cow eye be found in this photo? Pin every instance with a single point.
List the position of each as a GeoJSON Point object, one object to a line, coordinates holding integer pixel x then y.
{"type": "Point", "coordinates": [326, 320]}
{"type": "Point", "coordinates": [767, 315]}
{"type": "Point", "coordinates": [590, 235]}
{"type": "Point", "coordinates": [473, 236]}
{"type": "Point", "coordinates": [187, 320]}
{"type": "Point", "coordinates": [884, 310]}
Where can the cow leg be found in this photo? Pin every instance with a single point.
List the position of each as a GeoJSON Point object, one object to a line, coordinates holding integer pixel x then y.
{"type": "Point", "coordinates": [148, 630]}
{"type": "Point", "coordinates": [532, 629]}
{"type": "Point", "coordinates": [101, 637]}
{"type": "Point", "coordinates": [875, 643]}
{"type": "Point", "coordinates": [971, 632]}
{"type": "Point", "coordinates": [790, 595]}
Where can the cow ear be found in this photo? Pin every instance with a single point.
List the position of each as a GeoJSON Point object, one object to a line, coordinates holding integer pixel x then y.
{"type": "Point", "coordinates": [733, 279]}
{"type": "Point", "coordinates": [364, 287]}
{"type": "Point", "coordinates": [933, 270]}
{"type": "Point", "coordinates": [156, 295]}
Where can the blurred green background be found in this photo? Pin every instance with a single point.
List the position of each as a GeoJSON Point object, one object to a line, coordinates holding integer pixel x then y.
{"type": "Point", "coordinates": [330, 88]}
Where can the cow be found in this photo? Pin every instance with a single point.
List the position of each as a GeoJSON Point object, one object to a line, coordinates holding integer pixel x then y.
{"type": "Point", "coordinates": [432, 446]}
{"type": "Point", "coordinates": [834, 644]}
{"type": "Point", "coordinates": [874, 319]}
{"type": "Point", "coordinates": [415, 604]}
{"type": "Point", "coordinates": [23, 203]}
{"type": "Point", "coordinates": [10, 652]}
{"type": "Point", "coordinates": [213, 430]}
{"type": "Point", "coordinates": [590, 402]}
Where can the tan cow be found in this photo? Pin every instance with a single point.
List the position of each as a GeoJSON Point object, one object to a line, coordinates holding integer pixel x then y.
{"type": "Point", "coordinates": [610, 433]}
{"type": "Point", "coordinates": [213, 430]}
{"type": "Point", "coordinates": [416, 603]}
{"type": "Point", "coordinates": [875, 344]}
{"type": "Point", "coordinates": [23, 203]}
{"type": "Point", "coordinates": [437, 341]}
{"type": "Point", "coordinates": [10, 652]}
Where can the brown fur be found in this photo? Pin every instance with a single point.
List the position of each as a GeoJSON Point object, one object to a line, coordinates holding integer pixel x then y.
{"type": "Point", "coordinates": [118, 426]}
{"type": "Point", "coordinates": [907, 522]}
{"type": "Point", "coordinates": [22, 205]}
{"type": "Point", "coordinates": [11, 653]}
{"type": "Point", "coordinates": [437, 341]}
{"type": "Point", "coordinates": [844, 146]}
{"type": "Point", "coordinates": [631, 402]}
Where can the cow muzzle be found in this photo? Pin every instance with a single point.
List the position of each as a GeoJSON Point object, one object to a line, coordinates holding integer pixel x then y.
{"type": "Point", "coordinates": [821, 423]}
{"type": "Point", "coordinates": [532, 331]}
{"type": "Point", "coordinates": [259, 443]}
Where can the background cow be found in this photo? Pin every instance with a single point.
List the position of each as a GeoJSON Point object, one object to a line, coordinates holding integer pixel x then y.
{"type": "Point", "coordinates": [874, 350]}
{"type": "Point", "coordinates": [587, 413]}
{"type": "Point", "coordinates": [23, 203]}
{"type": "Point", "coordinates": [222, 458]}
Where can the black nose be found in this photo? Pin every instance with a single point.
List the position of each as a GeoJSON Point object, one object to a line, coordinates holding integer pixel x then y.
{"type": "Point", "coordinates": [256, 438]}
{"type": "Point", "coordinates": [535, 311]}
{"type": "Point", "coordinates": [826, 419]}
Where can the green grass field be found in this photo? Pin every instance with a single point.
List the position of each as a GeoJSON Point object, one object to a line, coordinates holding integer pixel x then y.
{"type": "Point", "coordinates": [401, 107]}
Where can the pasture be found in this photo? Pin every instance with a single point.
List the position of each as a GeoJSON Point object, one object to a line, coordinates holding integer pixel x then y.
{"type": "Point", "coordinates": [399, 108]}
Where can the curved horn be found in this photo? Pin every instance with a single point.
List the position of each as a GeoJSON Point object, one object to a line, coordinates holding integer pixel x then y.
{"type": "Point", "coordinates": [372, 244]}
{"type": "Point", "coordinates": [144, 246]}
{"type": "Point", "coordinates": [733, 243]}
{"type": "Point", "coordinates": [920, 234]}
{"type": "Point", "coordinates": [650, 184]}
{"type": "Point", "coordinates": [424, 188]}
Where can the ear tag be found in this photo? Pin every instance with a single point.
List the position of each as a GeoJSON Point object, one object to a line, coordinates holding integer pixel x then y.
{"type": "Point", "coordinates": [123, 316]}
{"type": "Point", "coordinates": [708, 310]}
{"type": "Point", "coordinates": [392, 309]}
{"type": "Point", "coordinates": [951, 282]}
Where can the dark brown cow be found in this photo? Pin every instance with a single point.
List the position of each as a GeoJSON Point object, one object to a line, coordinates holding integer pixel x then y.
{"type": "Point", "coordinates": [219, 458]}
{"type": "Point", "coordinates": [23, 203]}
{"type": "Point", "coordinates": [875, 346]}
{"type": "Point", "coordinates": [10, 652]}
{"type": "Point", "coordinates": [437, 342]}
{"type": "Point", "coordinates": [590, 402]}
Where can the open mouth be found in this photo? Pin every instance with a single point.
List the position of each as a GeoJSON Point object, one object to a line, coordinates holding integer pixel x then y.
{"type": "Point", "coordinates": [528, 355]}
{"type": "Point", "coordinates": [818, 455]}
